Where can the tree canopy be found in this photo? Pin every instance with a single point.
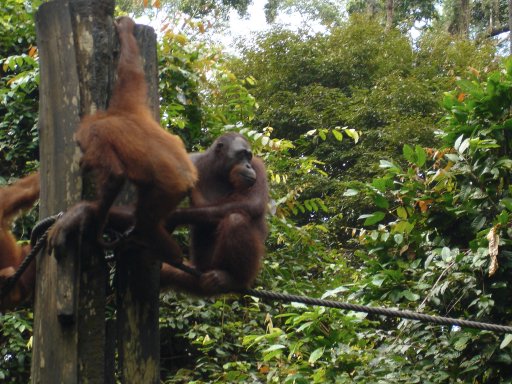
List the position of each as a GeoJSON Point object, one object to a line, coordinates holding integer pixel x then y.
{"type": "Point", "coordinates": [388, 156]}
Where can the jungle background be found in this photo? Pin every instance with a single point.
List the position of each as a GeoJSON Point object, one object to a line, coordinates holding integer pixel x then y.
{"type": "Point", "coordinates": [386, 129]}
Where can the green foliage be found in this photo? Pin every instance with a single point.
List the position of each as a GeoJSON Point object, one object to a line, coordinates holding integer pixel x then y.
{"type": "Point", "coordinates": [356, 76]}
{"type": "Point", "coordinates": [202, 97]}
{"type": "Point", "coordinates": [441, 239]}
{"type": "Point", "coordinates": [407, 13]}
{"type": "Point", "coordinates": [326, 12]}
{"type": "Point", "coordinates": [204, 336]}
{"type": "Point", "coordinates": [19, 77]}
{"type": "Point", "coordinates": [483, 17]}
{"type": "Point", "coordinates": [310, 346]}
{"type": "Point", "coordinates": [197, 9]}
{"type": "Point", "coordinates": [17, 26]}
{"type": "Point", "coordinates": [322, 111]}
{"type": "Point", "coordinates": [441, 57]}
{"type": "Point", "coordinates": [422, 249]}
{"type": "Point", "coordinates": [15, 347]}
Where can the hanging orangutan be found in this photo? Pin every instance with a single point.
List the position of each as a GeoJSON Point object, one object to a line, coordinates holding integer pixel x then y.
{"type": "Point", "coordinates": [125, 143]}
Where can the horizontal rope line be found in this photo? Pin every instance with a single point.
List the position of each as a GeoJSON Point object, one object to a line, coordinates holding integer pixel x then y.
{"type": "Point", "coordinates": [377, 311]}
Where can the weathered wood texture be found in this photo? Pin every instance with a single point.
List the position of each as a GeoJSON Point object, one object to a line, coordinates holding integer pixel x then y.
{"type": "Point", "coordinates": [77, 46]}
{"type": "Point", "coordinates": [138, 273]}
{"type": "Point", "coordinates": [69, 324]}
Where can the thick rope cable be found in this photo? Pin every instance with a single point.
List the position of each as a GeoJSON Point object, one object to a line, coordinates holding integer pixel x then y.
{"type": "Point", "coordinates": [42, 227]}
{"type": "Point", "coordinates": [40, 235]}
{"type": "Point", "coordinates": [377, 311]}
{"type": "Point", "coordinates": [440, 320]}
{"type": "Point", "coordinates": [38, 239]}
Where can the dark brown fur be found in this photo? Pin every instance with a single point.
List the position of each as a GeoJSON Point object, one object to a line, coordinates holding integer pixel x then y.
{"type": "Point", "coordinates": [227, 218]}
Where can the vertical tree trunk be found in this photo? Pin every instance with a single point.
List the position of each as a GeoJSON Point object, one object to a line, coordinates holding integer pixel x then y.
{"type": "Point", "coordinates": [494, 15]}
{"type": "Point", "coordinates": [76, 41]}
{"type": "Point", "coordinates": [510, 26]}
{"type": "Point", "coordinates": [371, 8]}
{"type": "Point", "coordinates": [465, 16]}
{"type": "Point", "coordinates": [461, 11]}
{"type": "Point", "coordinates": [389, 14]}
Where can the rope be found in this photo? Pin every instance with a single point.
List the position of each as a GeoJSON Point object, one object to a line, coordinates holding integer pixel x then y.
{"type": "Point", "coordinates": [37, 241]}
{"type": "Point", "coordinates": [41, 230]}
{"type": "Point", "coordinates": [377, 311]}
{"type": "Point", "coordinates": [42, 227]}
{"type": "Point", "coordinates": [440, 320]}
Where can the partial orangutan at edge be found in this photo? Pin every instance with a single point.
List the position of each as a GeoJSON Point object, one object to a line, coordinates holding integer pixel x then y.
{"type": "Point", "coordinates": [14, 199]}
{"type": "Point", "coordinates": [126, 143]}
{"type": "Point", "coordinates": [227, 215]}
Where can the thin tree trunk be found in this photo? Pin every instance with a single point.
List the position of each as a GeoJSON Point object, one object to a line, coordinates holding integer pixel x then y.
{"type": "Point", "coordinates": [371, 8]}
{"type": "Point", "coordinates": [389, 14]}
{"type": "Point", "coordinates": [510, 25]}
{"type": "Point", "coordinates": [459, 25]}
{"type": "Point", "coordinates": [464, 17]}
{"type": "Point", "coordinates": [494, 17]}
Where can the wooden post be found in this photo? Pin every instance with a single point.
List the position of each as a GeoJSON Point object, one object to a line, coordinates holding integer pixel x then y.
{"type": "Point", "coordinates": [77, 42]}
{"type": "Point", "coordinates": [69, 324]}
{"type": "Point", "coordinates": [138, 273]}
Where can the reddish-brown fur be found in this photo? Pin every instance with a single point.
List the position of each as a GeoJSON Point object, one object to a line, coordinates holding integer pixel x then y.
{"type": "Point", "coordinates": [227, 218]}
{"type": "Point", "coordinates": [126, 143]}
{"type": "Point", "coordinates": [13, 200]}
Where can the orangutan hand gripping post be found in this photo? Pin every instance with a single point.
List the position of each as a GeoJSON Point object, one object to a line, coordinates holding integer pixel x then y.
{"type": "Point", "coordinates": [227, 215]}
{"type": "Point", "coordinates": [227, 218]}
{"type": "Point", "coordinates": [228, 206]}
{"type": "Point", "coordinates": [126, 143]}
{"type": "Point", "coordinates": [13, 200]}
